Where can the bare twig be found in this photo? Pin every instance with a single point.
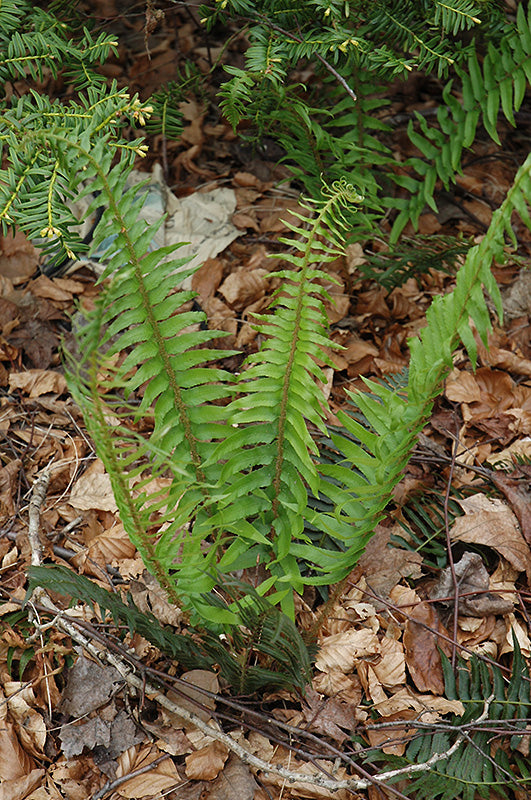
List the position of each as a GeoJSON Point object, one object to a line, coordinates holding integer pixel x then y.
{"type": "Point", "coordinates": [451, 561]}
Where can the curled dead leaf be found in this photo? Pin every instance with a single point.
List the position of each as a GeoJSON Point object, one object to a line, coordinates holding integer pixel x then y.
{"type": "Point", "coordinates": [492, 523]}
{"type": "Point", "coordinates": [342, 650]}
{"type": "Point", "coordinates": [207, 763]}
{"type": "Point", "coordinates": [36, 382]}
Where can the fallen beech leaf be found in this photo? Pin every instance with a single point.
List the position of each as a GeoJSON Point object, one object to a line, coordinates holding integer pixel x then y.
{"type": "Point", "coordinates": [499, 357]}
{"type": "Point", "coordinates": [519, 496]}
{"type": "Point", "coordinates": [342, 650]}
{"type": "Point", "coordinates": [93, 490]}
{"type": "Point", "coordinates": [429, 708]}
{"type": "Point", "coordinates": [391, 670]}
{"type": "Point", "coordinates": [207, 763]}
{"type": "Point", "coordinates": [299, 789]}
{"type": "Point", "coordinates": [384, 565]}
{"type": "Point", "coordinates": [393, 741]}
{"type": "Point", "coordinates": [14, 761]}
{"type": "Point", "coordinates": [37, 381]}
{"type": "Point", "coordinates": [462, 387]}
{"type": "Point", "coordinates": [161, 778]}
{"type": "Point", "coordinates": [149, 597]}
{"type": "Point", "coordinates": [492, 523]}
{"type": "Point", "coordinates": [50, 289]}
{"type": "Point", "coordinates": [18, 257]}
{"type": "Point", "coordinates": [19, 788]}
{"type": "Point", "coordinates": [335, 683]}
{"type": "Point", "coordinates": [197, 679]}
{"type": "Point", "coordinates": [8, 482]}
{"type": "Point", "coordinates": [515, 627]}
{"type": "Point", "coordinates": [207, 278]}
{"type": "Point", "coordinates": [328, 716]}
{"type": "Point", "coordinates": [506, 459]}
{"type": "Point", "coordinates": [111, 546]}
{"type": "Point", "coordinates": [471, 576]}
{"type": "Point", "coordinates": [234, 782]}
{"type": "Point", "coordinates": [31, 727]}
{"type": "Point", "coordinates": [421, 645]}
{"type": "Point", "coordinates": [243, 287]}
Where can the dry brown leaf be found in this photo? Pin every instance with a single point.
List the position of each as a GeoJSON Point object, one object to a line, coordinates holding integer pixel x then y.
{"type": "Point", "coordinates": [493, 524]}
{"type": "Point", "coordinates": [343, 650]}
{"type": "Point", "coordinates": [37, 381]}
{"type": "Point", "coordinates": [393, 741]}
{"type": "Point", "coordinates": [499, 357]}
{"type": "Point", "coordinates": [50, 289]}
{"type": "Point", "coordinates": [507, 458]}
{"type": "Point", "coordinates": [8, 483]}
{"type": "Point", "coordinates": [149, 597]}
{"type": "Point", "coordinates": [519, 496]}
{"type": "Point", "coordinates": [384, 565]}
{"type": "Point", "coordinates": [429, 708]}
{"type": "Point", "coordinates": [354, 257]}
{"type": "Point", "coordinates": [274, 221]}
{"type": "Point", "coordinates": [206, 764]}
{"type": "Point", "coordinates": [299, 789]}
{"type": "Point", "coordinates": [111, 546]}
{"type": "Point", "coordinates": [235, 782]}
{"type": "Point", "coordinates": [515, 628]}
{"type": "Point", "coordinates": [243, 221]}
{"type": "Point", "coordinates": [328, 716]}
{"type": "Point", "coordinates": [31, 727]}
{"type": "Point", "coordinates": [93, 490]}
{"type": "Point", "coordinates": [243, 287]}
{"type": "Point", "coordinates": [391, 670]}
{"type": "Point", "coordinates": [18, 257]}
{"type": "Point", "coordinates": [247, 179]}
{"type": "Point", "coordinates": [207, 278]}
{"type": "Point", "coordinates": [462, 387]}
{"type": "Point", "coordinates": [161, 778]}
{"type": "Point", "coordinates": [421, 645]}
{"type": "Point", "coordinates": [334, 683]}
{"type": "Point", "coordinates": [14, 761]}
{"type": "Point", "coordinates": [20, 788]}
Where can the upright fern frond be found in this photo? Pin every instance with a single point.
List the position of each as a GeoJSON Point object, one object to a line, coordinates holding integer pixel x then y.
{"type": "Point", "coordinates": [396, 417]}
{"type": "Point", "coordinates": [269, 457]}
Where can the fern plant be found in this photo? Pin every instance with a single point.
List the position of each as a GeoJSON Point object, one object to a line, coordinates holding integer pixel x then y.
{"type": "Point", "coordinates": [212, 473]}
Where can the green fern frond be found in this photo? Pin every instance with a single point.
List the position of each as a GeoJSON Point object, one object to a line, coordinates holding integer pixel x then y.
{"type": "Point", "coordinates": [269, 458]}
{"type": "Point", "coordinates": [396, 418]}
{"type": "Point", "coordinates": [265, 652]}
{"type": "Point", "coordinates": [484, 764]}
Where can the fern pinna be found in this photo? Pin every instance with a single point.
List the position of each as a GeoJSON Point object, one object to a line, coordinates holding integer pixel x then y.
{"type": "Point", "coordinates": [490, 758]}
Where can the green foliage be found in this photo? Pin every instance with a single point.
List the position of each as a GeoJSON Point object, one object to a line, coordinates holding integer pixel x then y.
{"type": "Point", "coordinates": [481, 766]}
{"type": "Point", "coordinates": [214, 473]}
{"type": "Point", "coordinates": [413, 258]}
{"type": "Point", "coordinates": [265, 652]}
{"type": "Point", "coordinates": [480, 52]}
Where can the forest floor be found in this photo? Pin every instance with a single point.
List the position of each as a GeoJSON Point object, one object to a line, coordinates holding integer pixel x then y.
{"type": "Point", "coordinates": [69, 726]}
